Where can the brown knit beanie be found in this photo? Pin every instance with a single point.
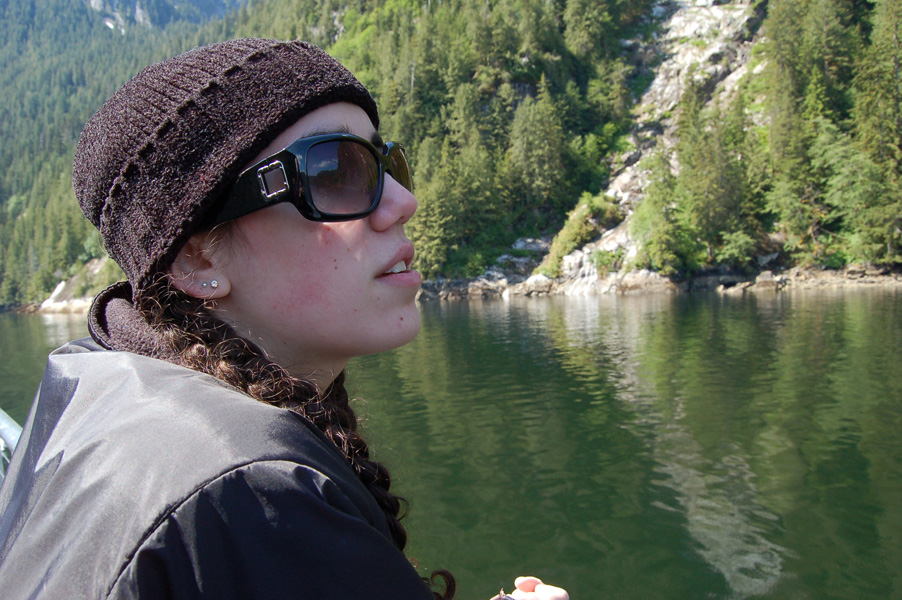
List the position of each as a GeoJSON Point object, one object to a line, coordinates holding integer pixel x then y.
{"type": "Point", "coordinates": [161, 153]}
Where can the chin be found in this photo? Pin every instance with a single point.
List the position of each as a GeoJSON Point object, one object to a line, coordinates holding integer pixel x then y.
{"type": "Point", "coordinates": [406, 326]}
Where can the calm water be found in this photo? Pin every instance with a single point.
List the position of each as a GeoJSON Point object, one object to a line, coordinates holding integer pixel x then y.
{"type": "Point", "coordinates": [633, 448]}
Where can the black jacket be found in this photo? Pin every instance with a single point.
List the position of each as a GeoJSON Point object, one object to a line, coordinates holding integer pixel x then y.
{"type": "Point", "coordinates": [135, 478]}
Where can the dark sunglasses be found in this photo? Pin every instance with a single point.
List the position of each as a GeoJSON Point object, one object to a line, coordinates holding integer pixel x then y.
{"type": "Point", "coordinates": [331, 177]}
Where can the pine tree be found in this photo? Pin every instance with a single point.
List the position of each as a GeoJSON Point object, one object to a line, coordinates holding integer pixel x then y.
{"type": "Point", "coordinates": [709, 181]}
{"type": "Point", "coordinates": [664, 242]}
{"type": "Point", "coordinates": [878, 109]}
{"type": "Point", "coordinates": [535, 158]}
{"type": "Point", "coordinates": [828, 50]}
{"type": "Point", "coordinates": [588, 24]}
{"type": "Point", "coordinates": [803, 86]}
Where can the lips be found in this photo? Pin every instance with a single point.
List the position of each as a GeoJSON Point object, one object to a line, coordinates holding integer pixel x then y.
{"type": "Point", "coordinates": [400, 262]}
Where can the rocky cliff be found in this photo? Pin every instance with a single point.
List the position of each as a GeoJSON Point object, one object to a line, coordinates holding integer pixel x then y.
{"type": "Point", "coordinates": [120, 14]}
{"type": "Point", "coordinates": [708, 40]}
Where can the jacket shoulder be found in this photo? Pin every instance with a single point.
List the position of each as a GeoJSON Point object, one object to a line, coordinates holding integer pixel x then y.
{"type": "Point", "coordinates": [269, 529]}
{"type": "Point", "coordinates": [117, 443]}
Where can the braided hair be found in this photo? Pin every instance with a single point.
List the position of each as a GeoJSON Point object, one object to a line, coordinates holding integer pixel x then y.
{"type": "Point", "coordinates": [207, 344]}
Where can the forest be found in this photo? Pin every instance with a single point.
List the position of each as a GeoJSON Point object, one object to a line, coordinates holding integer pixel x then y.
{"type": "Point", "coordinates": [814, 176]}
{"type": "Point", "coordinates": [511, 111]}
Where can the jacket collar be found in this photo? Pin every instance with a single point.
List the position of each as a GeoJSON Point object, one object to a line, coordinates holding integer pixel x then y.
{"type": "Point", "coordinates": [115, 324]}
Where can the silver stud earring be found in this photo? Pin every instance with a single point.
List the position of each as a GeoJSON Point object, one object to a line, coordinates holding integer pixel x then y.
{"type": "Point", "coordinates": [214, 284]}
{"type": "Point", "coordinates": [203, 284]}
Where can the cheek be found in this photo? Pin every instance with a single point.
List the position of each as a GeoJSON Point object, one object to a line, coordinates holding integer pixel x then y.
{"type": "Point", "coordinates": [329, 247]}
{"type": "Point", "coordinates": [319, 272]}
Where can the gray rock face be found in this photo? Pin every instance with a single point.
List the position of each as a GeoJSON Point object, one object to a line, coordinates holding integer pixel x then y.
{"type": "Point", "coordinates": [707, 40]}
{"type": "Point", "coordinates": [120, 14]}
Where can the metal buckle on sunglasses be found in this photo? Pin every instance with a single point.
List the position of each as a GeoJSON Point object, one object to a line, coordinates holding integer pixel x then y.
{"type": "Point", "coordinates": [266, 177]}
{"type": "Point", "coordinates": [272, 183]}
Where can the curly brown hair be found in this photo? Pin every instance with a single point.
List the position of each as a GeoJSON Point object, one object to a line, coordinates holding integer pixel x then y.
{"type": "Point", "coordinates": [209, 345]}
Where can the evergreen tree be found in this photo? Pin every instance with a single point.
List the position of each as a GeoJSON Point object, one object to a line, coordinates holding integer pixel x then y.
{"type": "Point", "coordinates": [535, 160]}
{"type": "Point", "coordinates": [878, 109]}
{"type": "Point", "coordinates": [828, 49]}
{"type": "Point", "coordinates": [588, 25]}
{"type": "Point", "coordinates": [796, 196]}
{"type": "Point", "coordinates": [664, 243]}
{"type": "Point", "coordinates": [871, 207]}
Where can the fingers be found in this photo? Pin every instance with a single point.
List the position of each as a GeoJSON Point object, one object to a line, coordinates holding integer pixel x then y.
{"type": "Point", "coordinates": [532, 588]}
{"type": "Point", "coordinates": [527, 584]}
{"type": "Point", "coordinates": [550, 592]}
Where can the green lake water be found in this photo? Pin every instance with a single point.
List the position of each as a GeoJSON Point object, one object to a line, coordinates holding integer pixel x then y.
{"type": "Point", "coordinates": [631, 448]}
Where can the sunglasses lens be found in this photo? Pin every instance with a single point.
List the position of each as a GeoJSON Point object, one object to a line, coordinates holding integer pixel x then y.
{"type": "Point", "coordinates": [343, 176]}
{"type": "Point", "coordinates": [399, 167]}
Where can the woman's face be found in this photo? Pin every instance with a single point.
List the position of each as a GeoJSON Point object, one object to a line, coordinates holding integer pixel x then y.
{"type": "Point", "coordinates": [313, 295]}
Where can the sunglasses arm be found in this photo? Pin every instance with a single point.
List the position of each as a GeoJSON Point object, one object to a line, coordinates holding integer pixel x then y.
{"type": "Point", "coordinates": [264, 184]}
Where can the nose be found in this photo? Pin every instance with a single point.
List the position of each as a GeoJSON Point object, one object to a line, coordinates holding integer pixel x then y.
{"type": "Point", "coordinates": [396, 206]}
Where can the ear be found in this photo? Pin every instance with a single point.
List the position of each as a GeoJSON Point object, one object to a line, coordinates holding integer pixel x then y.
{"type": "Point", "coordinates": [195, 272]}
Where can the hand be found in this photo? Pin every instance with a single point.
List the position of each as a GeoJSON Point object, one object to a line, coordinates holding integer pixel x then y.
{"type": "Point", "coordinates": [532, 588]}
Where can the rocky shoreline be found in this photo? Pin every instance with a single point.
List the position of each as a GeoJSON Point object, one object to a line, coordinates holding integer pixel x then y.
{"type": "Point", "coordinates": [498, 284]}
{"type": "Point", "coordinates": [512, 275]}
{"type": "Point", "coordinates": [502, 284]}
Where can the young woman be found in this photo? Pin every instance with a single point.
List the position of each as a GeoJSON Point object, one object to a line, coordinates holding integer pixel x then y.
{"type": "Point", "coordinates": [200, 444]}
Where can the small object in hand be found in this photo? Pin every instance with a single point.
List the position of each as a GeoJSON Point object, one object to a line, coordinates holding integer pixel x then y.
{"type": "Point", "coordinates": [502, 596]}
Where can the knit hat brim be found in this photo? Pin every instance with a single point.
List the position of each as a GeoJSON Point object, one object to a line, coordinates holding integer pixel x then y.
{"type": "Point", "coordinates": [162, 152]}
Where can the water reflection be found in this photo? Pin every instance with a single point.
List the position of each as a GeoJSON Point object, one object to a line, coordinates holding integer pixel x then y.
{"type": "Point", "coordinates": [716, 498]}
{"type": "Point", "coordinates": [62, 328]}
{"type": "Point", "coordinates": [652, 447]}
{"type": "Point", "coordinates": [25, 341]}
